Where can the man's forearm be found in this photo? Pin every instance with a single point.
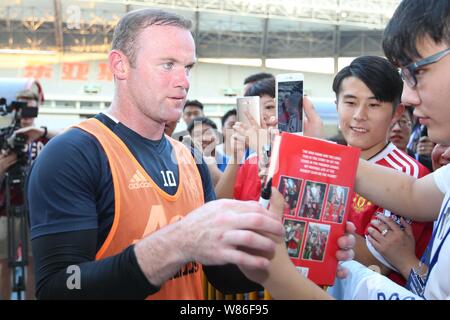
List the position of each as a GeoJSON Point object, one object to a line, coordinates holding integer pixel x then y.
{"type": "Point", "coordinates": [399, 192]}
{"type": "Point", "coordinates": [65, 268]}
{"type": "Point", "coordinates": [160, 255]}
{"type": "Point", "coordinates": [225, 186]}
{"type": "Point", "coordinates": [285, 282]}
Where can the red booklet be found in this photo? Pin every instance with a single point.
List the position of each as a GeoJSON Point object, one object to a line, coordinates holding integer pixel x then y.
{"type": "Point", "coordinates": [315, 178]}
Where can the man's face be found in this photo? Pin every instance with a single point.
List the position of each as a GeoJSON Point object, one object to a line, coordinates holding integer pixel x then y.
{"type": "Point", "coordinates": [268, 108]}
{"type": "Point", "coordinates": [28, 122]}
{"type": "Point", "coordinates": [431, 96]}
{"type": "Point", "coordinates": [400, 131]}
{"type": "Point", "coordinates": [364, 121]}
{"type": "Point", "coordinates": [205, 137]}
{"type": "Point", "coordinates": [159, 82]}
{"type": "Point", "coordinates": [190, 113]}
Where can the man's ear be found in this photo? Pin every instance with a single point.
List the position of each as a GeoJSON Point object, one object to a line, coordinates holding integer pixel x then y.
{"type": "Point", "coordinates": [119, 64]}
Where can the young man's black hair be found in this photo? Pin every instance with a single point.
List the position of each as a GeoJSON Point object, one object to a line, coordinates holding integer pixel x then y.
{"type": "Point", "coordinates": [412, 21]}
{"type": "Point", "coordinates": [258, 76]}
{"type": "Point", "coordinates": [202, 120]}
{"type": "Point", "coordinates": [227, 114]}
{"type": "Point", "coordinates": [194, 103]}
{"type": "Point", "coordinates": [261, 87]}
{"type": "Point", "coordinates": [378, 74]}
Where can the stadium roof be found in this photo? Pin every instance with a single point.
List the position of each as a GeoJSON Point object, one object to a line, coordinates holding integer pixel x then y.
{"type": "Point", "coordinates": [222, 29]}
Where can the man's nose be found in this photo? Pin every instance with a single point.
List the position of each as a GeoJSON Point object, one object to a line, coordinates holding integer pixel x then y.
{"type": "Point", "coordinates": [410, 97]}
{"type": "Point", "coordinates": [182, 79]}
{"type": "Point", "coordinates": [396, 127]}
{"type": "Point", "coordinates": [360, 113]}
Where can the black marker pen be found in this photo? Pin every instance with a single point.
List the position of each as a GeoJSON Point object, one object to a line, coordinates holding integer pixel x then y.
{"type": "Point", "coordinates": [266, 192]}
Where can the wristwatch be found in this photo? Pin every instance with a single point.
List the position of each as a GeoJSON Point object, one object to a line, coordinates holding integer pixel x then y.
{"type": "Point", "coordinates": [45, 132]}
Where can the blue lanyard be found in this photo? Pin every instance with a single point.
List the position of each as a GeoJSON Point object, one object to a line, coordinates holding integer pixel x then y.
{"type": "Point", "coordinates": [427, 256]}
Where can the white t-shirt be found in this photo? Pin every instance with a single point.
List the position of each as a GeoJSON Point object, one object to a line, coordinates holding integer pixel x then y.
{"type": "Point", "coordinates": [438, 284]}
{"type": "Point", "coordinates": [363, 283]}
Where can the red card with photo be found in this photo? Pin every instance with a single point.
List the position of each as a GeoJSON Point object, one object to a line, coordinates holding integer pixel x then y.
{"type": "Point", "coordinates": [315, 178]}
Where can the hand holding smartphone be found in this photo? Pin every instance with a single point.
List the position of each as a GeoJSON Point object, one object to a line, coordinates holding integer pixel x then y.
{"type": "Point", "coordinates": [289, 100]}
{"type": "Point", "coordinates": [251, 105]}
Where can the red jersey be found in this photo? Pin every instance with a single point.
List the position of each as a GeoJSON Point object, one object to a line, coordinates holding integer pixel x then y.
{"type": "Point", "coordinates": [362, 210]}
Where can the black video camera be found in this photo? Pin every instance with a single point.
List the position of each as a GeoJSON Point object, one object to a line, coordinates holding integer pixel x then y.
{"type": "Point", "coordinates": [9, 140]}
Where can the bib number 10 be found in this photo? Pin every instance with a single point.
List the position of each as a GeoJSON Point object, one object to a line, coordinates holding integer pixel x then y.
{"type": "Point", "coordinates": [169, 178]}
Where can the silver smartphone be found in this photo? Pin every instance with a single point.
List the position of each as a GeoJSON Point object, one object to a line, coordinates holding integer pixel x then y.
{"type": "Point", "coordinates": [250, 104]}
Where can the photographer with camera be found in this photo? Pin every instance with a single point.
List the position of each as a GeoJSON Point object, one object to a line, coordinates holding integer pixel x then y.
{"type": "Point", "coordinates": [36, 137]}
{"type": "Point", "coordinates": [20, 144]}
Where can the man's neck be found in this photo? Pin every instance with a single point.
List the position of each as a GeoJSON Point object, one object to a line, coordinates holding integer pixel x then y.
{"type": "Point", "coordinates": [135, 120]}
{"type": "Point", "coordinates": [370, 152]}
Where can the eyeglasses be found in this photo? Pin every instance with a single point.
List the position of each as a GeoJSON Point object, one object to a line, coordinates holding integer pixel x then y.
{"type": "Point", "coordinates": [403, 123]}
{"type": "Point", "coordinates": [408, 72]}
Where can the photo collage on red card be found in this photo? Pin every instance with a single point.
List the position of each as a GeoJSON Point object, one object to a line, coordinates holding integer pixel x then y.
{"type": "Point", "coordinates": [307, 239]}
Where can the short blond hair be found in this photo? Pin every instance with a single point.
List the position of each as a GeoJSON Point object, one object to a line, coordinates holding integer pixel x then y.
{"type": "Point", "coordinates": [130, 25]}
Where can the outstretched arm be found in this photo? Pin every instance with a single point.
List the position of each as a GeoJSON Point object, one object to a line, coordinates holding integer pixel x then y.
{"type": "Point", "coordinates": [225, 186]}
{"type": "Point", "coordinates": [419, 199]}
{"type": "Point", "coordinates": [34, 133]}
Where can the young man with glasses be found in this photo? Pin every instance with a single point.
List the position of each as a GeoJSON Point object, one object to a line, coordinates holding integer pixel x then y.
{"type": "Point", "coordinates": [417, 39]}
{"type": "Point", "coordinates": [368, 95]}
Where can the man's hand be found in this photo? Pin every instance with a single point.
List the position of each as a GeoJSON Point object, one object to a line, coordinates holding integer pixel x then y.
{"type": "Point", "coordinates": [397, 246]}
{"type": "Point", "coordinates": [346, 244]}
{"type": "Point", "coordinates": [6, 161]}
{"type": "Point", "coordinates": [425, 146]}
{"type": "Point", "coordinates": [251, 131]}
{"type": "Point", "coordinates": [219, 232]}
{"type": "Point", "coordinates": [313, 123]}
{"type": "Point", "coordinates": [237, 145]}
{"type": "Point", "coordinates": [32, 133]}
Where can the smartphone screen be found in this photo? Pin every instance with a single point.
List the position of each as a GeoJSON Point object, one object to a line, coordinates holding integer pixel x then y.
{"type": "Point", "coordinates": [251, 105]}
{"type": "Point", "coordinates": [290, 105]}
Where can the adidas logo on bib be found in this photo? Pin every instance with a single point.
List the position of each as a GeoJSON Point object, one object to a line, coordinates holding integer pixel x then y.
{"type": "Point", "coordinates": [138, 181]}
